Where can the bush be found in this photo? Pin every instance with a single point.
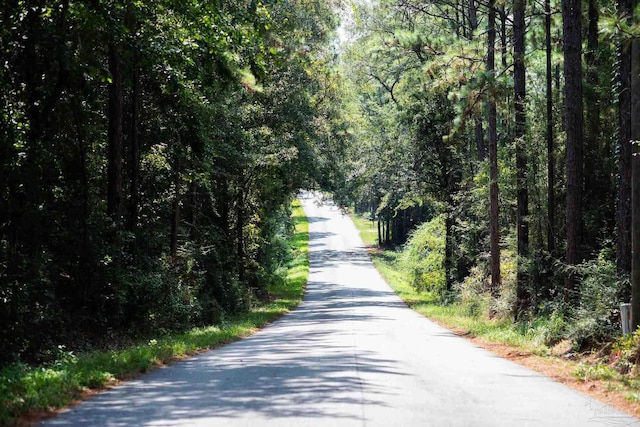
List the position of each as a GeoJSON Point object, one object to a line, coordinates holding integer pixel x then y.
{"type": "Point", "coordinates": [547, 329]}
{"type": "Point", "coordinates": [474, 297]}
{"type": "Point", "coordinates": [503, 306]}
{"type": "Point", "coordinates": [423, 256]}
{"type": "Point", "coordinates": [474, 290]}
{"type": "Point", "coordinates": [626, 351]}
{"type": "Point", "coordinates": [596, 320]}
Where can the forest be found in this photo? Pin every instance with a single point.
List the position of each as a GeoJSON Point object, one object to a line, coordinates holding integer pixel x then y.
{"type": "Point", "coordinates": [149, 153]}
{"type": "Point", "coordinates": [150, 150]}
{"type": "Point", "coordinates": [493, 143]}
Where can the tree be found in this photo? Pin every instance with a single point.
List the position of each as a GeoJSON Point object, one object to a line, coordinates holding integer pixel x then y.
{"type": "Point", "coordinates": [549, 136]}
{"type": "Point", "coordinates": [522, 225]}
{"type": "Point", "coordinates": [623, 211]}
{"type": "Point", "coordinates": [494, 228]}
{"type": "Point", "coordinates": [573, 111]}
{"type": "Point", "coordinates": [635, 182]}
{"type": "Point", "coordinates": [148, 155]}
{"type": "Point", "coordinates": [115, 135]}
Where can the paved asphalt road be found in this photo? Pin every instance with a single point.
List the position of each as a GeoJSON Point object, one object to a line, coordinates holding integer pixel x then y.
{"type": "Point", "coordinates": [352, 354]}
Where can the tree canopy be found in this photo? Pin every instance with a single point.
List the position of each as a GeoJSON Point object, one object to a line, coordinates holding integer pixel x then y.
{"type": "Point", "coordinates": [149, 153]}
{"type": "Point", "coordinates": [504, 121]}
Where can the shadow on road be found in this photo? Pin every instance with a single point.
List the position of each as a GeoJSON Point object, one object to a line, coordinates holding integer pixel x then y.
{"type": "Point", "coordinates": [281, 372]}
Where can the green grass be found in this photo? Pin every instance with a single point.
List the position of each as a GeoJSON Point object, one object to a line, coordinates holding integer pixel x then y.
{"type": "Point", "coordinates": [25, 389]}
{"type": "Point", "coordinates": [368, 230]}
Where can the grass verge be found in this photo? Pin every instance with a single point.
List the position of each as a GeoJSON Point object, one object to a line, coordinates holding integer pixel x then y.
{"type": "Point", "coordinates": [27, 390]}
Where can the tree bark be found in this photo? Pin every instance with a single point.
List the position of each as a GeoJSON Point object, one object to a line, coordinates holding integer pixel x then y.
{"type": "Point", "coordinates": [175, 211]}
{"type": "Point", "coordinates": [479, 131]}
{"type": "Point", "coordinates": [115, 136]}
{"type": "Point", "coordinates": [448, 248]}
{"type": "Point", "coordinates": [635, 184]}
{"type": "Point", "coordinates": [594, 189]}
{"type": "Point", "coordinates": [504, 49]}
{"type": "Point", "coordinates": [522, 222]}
{"type": "Point", "coordinates": [388, 232]}
{"type": "Point", "coordinates": [240, 235]}
{"type": "Point", "coordinates": [473, 16]}
{"type": "Point", "coordinates": [134, 190]}
{"type": "Point", "coordinates": [482, 149]}
{"type": "Point", "coordinates": [494, 230]}
{"type": "Point", "coordinates": [574, 122]}
{"type": "Point", "coordinates": [623, 214]}
{"type": "Point", "coordinates": [551, 199]}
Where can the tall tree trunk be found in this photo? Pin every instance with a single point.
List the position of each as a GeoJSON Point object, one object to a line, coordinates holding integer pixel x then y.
{"type": "Point", "coordinates": [594, 190]}
{"type": "Point", "coordinates": [458, 24]}
{"type": "Point", "coordinates": [623, 224]}
{"type": "Point", "coordinates": [635, 183]}
{"type": "Point", "coordinates": [504, 48]}
{"type": "Point", "coordinates": [479, 132]}
{"type": "Point", "coordinates": [175, 210]}
{"type": "Point", "coordinates": [388, 232]}
{"type": "Point", "coordinates": [574, 122]}
{"type": "Point", "coordinates": [473, 16]}
{"type": "Point", "coordinates": [494, 230]}
{"type": "Point", "coordinates": [85, 249]}
{"type": "Point", "coordinates": [175, 224]}
{"type": "Point", "coordinates": [448, 247]}
{"type": "Point", "coordinates": [115, 136]}
{"type": "Point", "coordinates": [134, 190]}
{"type": "Point", "coordinates": [522, 222]}
{"type": "Point", "coordinates": [551, 182]}
{"type": "Point", "coordinates": [240, 235]}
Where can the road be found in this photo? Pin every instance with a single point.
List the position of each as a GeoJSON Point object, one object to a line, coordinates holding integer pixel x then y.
{"type": "Point", "coordinates": [352, 354]}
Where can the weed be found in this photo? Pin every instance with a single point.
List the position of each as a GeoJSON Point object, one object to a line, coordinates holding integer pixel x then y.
{"type": "Point", "coordinates": [585, 372]}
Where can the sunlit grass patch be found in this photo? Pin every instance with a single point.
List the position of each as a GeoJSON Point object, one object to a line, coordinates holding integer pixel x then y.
{"type": "Point", "coordinates": [368, 230]}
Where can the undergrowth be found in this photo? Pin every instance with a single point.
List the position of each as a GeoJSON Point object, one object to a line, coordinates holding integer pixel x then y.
{"type": "Point", "coordinates": [475, 313]}
{"type": "Point", "coordinates": [25, 389]}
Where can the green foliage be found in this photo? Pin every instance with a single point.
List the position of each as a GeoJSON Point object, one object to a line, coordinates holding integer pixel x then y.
{"type": "Point", "coordinates": [475, 310]}
{"type": "Point", "coordinates": [26, 389]}
{"type": "Point", "coordinates": [417, 95]}
{"type": "Point", "coordinates": [423, 256]}
{"type": "Point", "coordinates": [223, 111]}
{"type": "Point", "coordinates": [473, 293]}
{"type": "Point", "coordinates": [596, 320]}
{"type": "Point", "coordinates": [586, 372]}
{"type": "Point", "coordinates": [626, 349]}
{"type": "Point", "coordinates": [548, 329]}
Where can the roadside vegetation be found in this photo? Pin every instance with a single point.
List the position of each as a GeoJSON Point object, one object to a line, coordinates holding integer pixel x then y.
{"type": "Point", "coordinates": [473, 314]}
{"type": "Point", "coordinates": [494, 176]}
{"type": "Point", "coordinates": [28, 389]}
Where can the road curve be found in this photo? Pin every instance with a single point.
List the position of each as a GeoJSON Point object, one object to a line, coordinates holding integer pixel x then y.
{"type": "Point", "coordinates": [352, 354]}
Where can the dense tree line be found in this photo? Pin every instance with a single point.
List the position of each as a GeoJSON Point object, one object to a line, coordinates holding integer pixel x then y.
{"type": "Point", "coordinates": [148, 154]}
{"type": "Point", "coordinates": [511, 123]}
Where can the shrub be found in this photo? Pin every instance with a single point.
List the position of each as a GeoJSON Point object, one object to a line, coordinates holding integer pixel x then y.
{"type": "Point", "coordinates": [473, 292]}
{"type": "Point", "coordinates": [595, 321]}
{"type": "Point", "coordinates": [547, 329]}
{"type": "Point", "coordinates": [503, 306]}
{"type": "Point", "coordinates": [423, 256]}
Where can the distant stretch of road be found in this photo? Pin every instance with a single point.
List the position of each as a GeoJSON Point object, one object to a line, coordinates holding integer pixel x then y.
{"type": "Point", "coordinates": [352, 354]}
